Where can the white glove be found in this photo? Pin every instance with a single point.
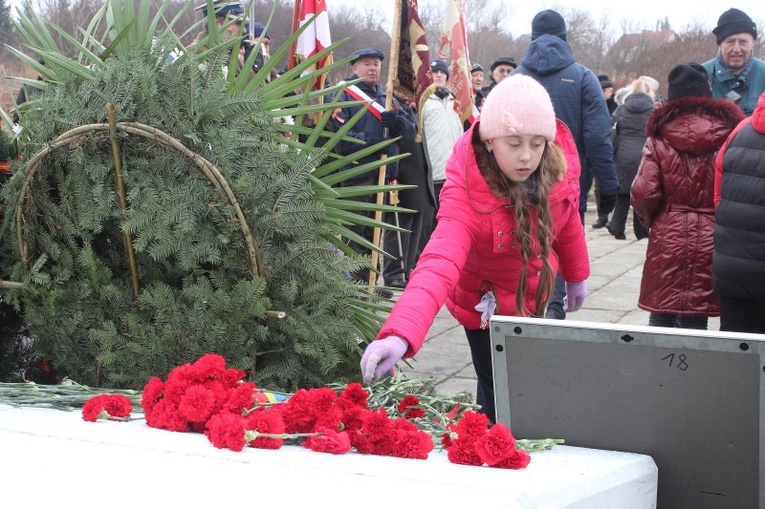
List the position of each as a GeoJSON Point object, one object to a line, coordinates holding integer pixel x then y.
{"type": "Point", "coordinates": [380, 356]}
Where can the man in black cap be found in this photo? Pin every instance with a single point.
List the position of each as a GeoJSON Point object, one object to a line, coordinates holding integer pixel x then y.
{"type": "Point", "coordinates": [500, 68]}
{"type": "Point", "coordinates": [586, 179]}
{"type": "Point", "coordinates": [440, 72]}
{"type": "Point", "coordinates": [375, 126]}
{"type": "Point", "coordinates": [735, 74]}
{"type": "Point", "coordinates": [608, 92]}
{"type": "Point", "coordinates": [578, 101]}
{"type": "Point", "coordinates": [476, 80]}
{"type": "Point", "coordinates": [441, 127]}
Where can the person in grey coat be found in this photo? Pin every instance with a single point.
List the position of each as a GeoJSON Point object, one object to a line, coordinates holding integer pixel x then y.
{"type": "Point", "coordinates": [628, 137]}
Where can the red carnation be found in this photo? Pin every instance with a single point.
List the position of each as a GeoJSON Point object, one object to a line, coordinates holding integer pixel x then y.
{"type": "Point", "coordinates": [320, 400]}
{"type": "Point", "coordinates": [495, 445]}
{"type": "Point", "coordinates": [241, 398]}
{"type": "Point", "coordinates": [353, 395]}
{"type": "Point", "coordinates": [297, 414]}
{"type": "Point", "coordinates": [197, 404]}
{"type": "Point", "coordinates": [472, 424]}
{"type": "Point", "coordinates": [209, 366]}
{"type": "Point", "coordinates": [117, 405]}
{"type": "Point", "coordinates": [93, 409]}
{"type": "Point", "coordinates": [351, 418]}
{"type": "Point", "coordinates": [463, 452]}
{"type": "Point", "coordinates": [408, 407]}
{"type": "Point", "coordinates": [378, 429]}
{"type": "Point", "coordinates": [267, 421]}
{"type": "Point", "coordinates": [232, 376]}
{"type": "Point", "coordinates": [376, 424]}
{"type": "Point", "coordinates": [331, 419]}
{"type": "Point", "coordinates": [105, 406]}
{"type": "Point", "coordinates": [518, 460]}
{"type": "Point", "coordinates": [412, 444]}
{"type": "Point", "coordinates": [178, 380]}
{"type": "Point", "coordinates": [226, 430]}
{"type": "Point", "coordinates": [332, 442]}
{"type": "Point", "coordinates": [152, 393]}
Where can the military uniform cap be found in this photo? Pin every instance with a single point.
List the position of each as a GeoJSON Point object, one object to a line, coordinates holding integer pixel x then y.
{"type": "Point", "coordinates": [366, 52]}
{"type": "Point", "coordinates": [223, 8]}
{"type": "Point", "coordinates": [475, 67]}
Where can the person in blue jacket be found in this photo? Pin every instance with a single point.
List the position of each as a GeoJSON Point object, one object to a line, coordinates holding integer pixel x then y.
{"type": "Point", "coordinates": [376, 125]}
{"type": "Point", "coordinates": [578, 101]}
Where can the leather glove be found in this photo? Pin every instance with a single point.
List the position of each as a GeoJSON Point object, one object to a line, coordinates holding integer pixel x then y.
{"type": "Point", "coordinates": [607, 203]}
{"type": "Point", "coordinates": [575, 294]}
{"type": "Point", "coordinates": [380, 356]}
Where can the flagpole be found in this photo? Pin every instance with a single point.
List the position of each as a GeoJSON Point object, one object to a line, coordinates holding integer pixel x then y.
{"type": "Point", "coordinates": [295, 25]}
{"type": "Point", "coordinates": [252, 17]}
{"type": "Point", "coordinates": [395, 41]}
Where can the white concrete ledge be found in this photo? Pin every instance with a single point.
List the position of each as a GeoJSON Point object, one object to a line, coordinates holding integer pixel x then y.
{"type": "Point", "coordinates": [74, 463]}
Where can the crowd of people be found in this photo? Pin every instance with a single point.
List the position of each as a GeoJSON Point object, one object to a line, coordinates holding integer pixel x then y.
{"type": "Point", "coordinates": [500, 203]}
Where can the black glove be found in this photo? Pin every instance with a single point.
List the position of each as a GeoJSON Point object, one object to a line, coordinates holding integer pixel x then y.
{"type": "Point", "coordinates": [606, 204]}
{"type": "Point", "coordinates": [388, 120]}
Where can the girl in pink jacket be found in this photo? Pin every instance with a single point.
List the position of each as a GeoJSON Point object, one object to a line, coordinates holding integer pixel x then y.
{"type": "Point", "coordinates": [508, 221]}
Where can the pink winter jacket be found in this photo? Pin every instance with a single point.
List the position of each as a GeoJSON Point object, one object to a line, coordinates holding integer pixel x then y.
{"type": "Point", "coordinates": [473, 248]}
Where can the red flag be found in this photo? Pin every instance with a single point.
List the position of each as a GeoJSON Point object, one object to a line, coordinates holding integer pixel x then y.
{"type": "Point", "coordinates": [454, 47]}
{"type": "Point", "coordinates": [413, 75]}
{"type": "Point", "coordinates": [316, 37]}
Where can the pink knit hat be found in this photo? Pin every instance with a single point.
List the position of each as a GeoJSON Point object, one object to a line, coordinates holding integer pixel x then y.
{"type": "Point", "coordinates": [517, 105]}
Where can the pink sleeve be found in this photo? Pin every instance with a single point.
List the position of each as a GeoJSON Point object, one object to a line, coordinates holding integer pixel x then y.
{"type": "Point", "coordinates": [437, 272]}
{"type": "Point", "coordinates": [570, 246]}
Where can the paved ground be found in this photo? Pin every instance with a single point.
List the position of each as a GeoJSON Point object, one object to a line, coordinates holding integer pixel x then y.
{"type": "Point", "coordinates": [612, 294]}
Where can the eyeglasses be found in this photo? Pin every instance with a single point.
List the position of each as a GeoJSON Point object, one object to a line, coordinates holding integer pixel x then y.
{"type": "Point", "coordinates": [504, 70]}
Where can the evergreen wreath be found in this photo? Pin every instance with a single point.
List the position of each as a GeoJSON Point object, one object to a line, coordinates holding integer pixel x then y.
{"type": "Point", "coordinates": [163, 211]}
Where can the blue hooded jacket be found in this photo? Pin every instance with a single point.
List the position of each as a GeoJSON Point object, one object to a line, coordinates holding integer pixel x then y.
{"type": "Point", "coordinates": [578, 101]}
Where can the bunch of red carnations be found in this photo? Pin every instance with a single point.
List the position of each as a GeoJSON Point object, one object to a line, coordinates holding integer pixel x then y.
{"type": "Point", "coordinates": [207, 397]}
{"type": "Point", "coordinates": [470, 441]}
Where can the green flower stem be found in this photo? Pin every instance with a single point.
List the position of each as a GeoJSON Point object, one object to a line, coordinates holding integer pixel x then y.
{"type": "Point", "coordinates": [250, 435]}
{"type": "Point", "coordinates": [538, 445]}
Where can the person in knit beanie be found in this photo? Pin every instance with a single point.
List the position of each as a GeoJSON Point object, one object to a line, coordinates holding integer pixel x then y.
{"type": "Point", "coordinates": [688, 80]}
{"type": "Point", "coordinates": [735, 74]}
{"type": "Point", "coordinates": [506, 224]}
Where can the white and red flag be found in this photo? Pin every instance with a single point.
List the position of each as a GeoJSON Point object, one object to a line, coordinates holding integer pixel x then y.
{"type": "Point", "coordinates": [315, 38]}
{"type": "Point", "coordinates": [454, 48]}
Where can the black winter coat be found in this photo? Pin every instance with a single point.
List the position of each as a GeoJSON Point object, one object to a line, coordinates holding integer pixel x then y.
{"type": "Point", "coordinates": [629, 122]}
{"type": "Point", "coordinates": [738, 264]}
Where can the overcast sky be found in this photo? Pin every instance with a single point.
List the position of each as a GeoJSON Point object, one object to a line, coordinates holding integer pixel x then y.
{"type": "Point", "coordinates": [640, 15]}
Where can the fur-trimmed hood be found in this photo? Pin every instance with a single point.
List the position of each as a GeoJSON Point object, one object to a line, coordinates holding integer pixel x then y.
{"type": "Point", "coordinates": [694, 124]}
